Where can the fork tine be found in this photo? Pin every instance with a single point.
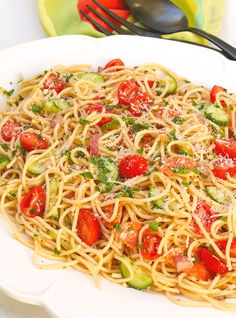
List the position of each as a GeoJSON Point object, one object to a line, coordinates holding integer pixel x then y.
{"type": "Point", "coordinates": [97, 25]}
{"type": "Point", "coordinates": [127, 24]}
{"type": "Point", "coordinates": [107, 21]}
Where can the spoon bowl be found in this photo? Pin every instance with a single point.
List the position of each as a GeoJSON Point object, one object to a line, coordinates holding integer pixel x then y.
{"type": "Point", "coordinates": [166, 18]}
{"type": "Point", "coordinates": [159, 14]}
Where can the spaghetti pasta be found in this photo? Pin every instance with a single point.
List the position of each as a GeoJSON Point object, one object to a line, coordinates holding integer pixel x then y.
{"type": "Point", "coordinates": [128, 173]}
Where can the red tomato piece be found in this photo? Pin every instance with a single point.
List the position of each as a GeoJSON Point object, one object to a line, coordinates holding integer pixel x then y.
{"type": "Point", "coordinates": [54, 82]}
{"type": "Point", "coordinates": [215, 90]}
{"type": "Point", "coordinates": [200, 271]}
{"type": "Point", "coordinates": [226, 147]}
{"type": "Point", "coordinates": [204, 212]}
{"type": "Point", "coordinates": [115, 62]}
{"type": "Point", "coordinates": [222, 246]}
{"type": "Point", "coordinates": [9, 130]}
{"type": "Point", "coordinates": [129, 233]}
{"type": "Point", "coordinates": [114, 5]}
{"type": "Point", "coordinates": [33, 203]}
{"type": "Point", "coordinates": [150, 83]}
{"type": "Point", "coordinates": [88, 226]}
{"type": "Point", "coordinates": [132, 166]}
{"type": "Point", "coordinates": [140, 103]}
{"type": "Point", "coordinates": [224, 166]}
{"type": "Point", "coordinates": [32, 141]}
{"type": "Point", "coordinates": [150, 244]}
{"type": "Point", "coordinates": [127, 90]}
{"type": "Point", "coordinates": [99, 108]}
{"type": "Point", "coordinates": [213, 263]}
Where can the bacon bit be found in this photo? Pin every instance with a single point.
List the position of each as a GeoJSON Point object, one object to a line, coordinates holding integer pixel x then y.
{"type": "Point", "coordinates": [100, 69]}
{"type": "Point", "coordinates": [129, 233]}
{"type": "Point", "coordinates": [57, 119]}
{"type": "Point", "coordinates": [164, 169]}
{"type": "Point", "coordinates": [183, 263]}
{"type": "Point", "coordinates": [93, 149]}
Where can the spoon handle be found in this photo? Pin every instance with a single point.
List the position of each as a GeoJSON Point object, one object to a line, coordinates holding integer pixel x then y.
{"type": "Point", "coordinates": [228, 49]}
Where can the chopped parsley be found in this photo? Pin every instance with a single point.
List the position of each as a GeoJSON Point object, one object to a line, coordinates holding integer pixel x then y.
{"type": "Point", "coordinates": [118, 227]}
{"type": "Point", "coordinates": [32, 211]}
{"type": "Point", "coordinates": [136, 127]}
{"type": "Point", "coordinates": [223, 219]}
{"type": "Point", "coordinates": [18, 149]}
{"type": "Point", "coordinates": [177, 120]}
{"type": "Point", "coordinates": [107, 173]}
{"type": "Point", "coordinates": [127, 192]}
{"type": "Point", "coordinates": [37, 109]}
{"type": "Point", "coordinates": [56, 252]}
{"type": "Point", "coordinates": [140, 150]}
{"type": "Point", "coordinates": [12, 194]}
{"type": "Point", "coordinates": [5, 146]}
{"type": "Point", "coordinates": [111, 124]}
{"type": "Point", "coordinates": [181, 170]}
{"type": "Point", "coordinates": [154, 226]}
{"type": "Point", "coordinates": [8, 93]}
{"type": "Point", "coordinates": [106, 101]}
{"type": "Point", "coordinates": [68, 77]}
{"type": "Point", "coordinates": [87, 175]}
{"type": "Point", "coordinates": [67, 154]}
{"type": "Point", "coordinates": [83, 121]}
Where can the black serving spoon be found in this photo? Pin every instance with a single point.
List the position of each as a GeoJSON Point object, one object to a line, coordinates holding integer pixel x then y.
{"type": "Point", "coordinates": [165, 17]}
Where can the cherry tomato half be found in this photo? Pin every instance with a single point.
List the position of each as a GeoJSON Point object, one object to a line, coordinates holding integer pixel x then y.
{"type": "Point", "coordinates": [99, 108]}
{"type": "Point", "coordinates": [88, 226]}
{"type": "Point", "coordinates": [132, 166]}
{"type": "Point", "coordinates": [226, 147]}
{"type": "Point", "coordinates": [33, 203]}
{"type": "Point", "coordinates": [54, 82]}
{"type": "Point", "coordinates": [32, 141]}
{"type": "Point", "coordinates": [224, 166]}
{"type": "Point", "coordinates": [215, 90]}
{"type": "Point", "coordinates": [212, 262]}
{"type": "Point", "coordinates": [150, 244]}
{"type": "Point", "coordinates": [9, 130]}
{"type": "Point", "coordinates": [115, 62]}
{"type": "Point", "coordinates": [204, 212]}
{"type": "Point", "coordinates": [127, 90]}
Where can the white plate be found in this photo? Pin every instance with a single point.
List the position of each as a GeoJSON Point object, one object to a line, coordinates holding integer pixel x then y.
{"type": "Point", "coordinates": [68, 293]}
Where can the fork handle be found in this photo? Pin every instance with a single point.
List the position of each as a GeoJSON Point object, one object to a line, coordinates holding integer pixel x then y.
{"type": "Point", "coordinates": [227, 48]}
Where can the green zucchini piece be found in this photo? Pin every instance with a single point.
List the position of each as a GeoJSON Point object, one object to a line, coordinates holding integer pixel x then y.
{"type": "Point", "coordinates": [55, 105]}
{"type": "Point", "coordinates": [216, 114]}
{"type": "Point", "coordinates": [92, 77]}
{"type": "Point", "coordinates": [172, 83]}
{"type": "Point", "coordinates": [141, 280]}
{"type": "Point", "coordinates": [38, 166]}
{"type": "Point", "coordinates": [4, 161]}
{"type": "Point", "coordinates": [217, 195]}
{"type": "Point", "coordinates": [157, 204]}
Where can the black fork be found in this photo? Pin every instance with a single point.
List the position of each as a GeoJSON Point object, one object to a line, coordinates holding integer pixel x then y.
{"type": "Point", "coordinates": [130, 28]}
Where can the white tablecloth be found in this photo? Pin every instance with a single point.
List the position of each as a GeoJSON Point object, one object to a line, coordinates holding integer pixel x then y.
{"type": "Point", "coordinates": [19, 23]}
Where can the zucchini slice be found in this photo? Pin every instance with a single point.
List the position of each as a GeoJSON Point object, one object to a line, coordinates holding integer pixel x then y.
{"type": "Point", "coordinates": [141, 280]}
{"type": "Point", "coordinates": [157, 204]}
{"type": "Point", "coordinates": [55, 105]}
{"type": "Point", "coordinates": [38, 166]}
{"type": "Point", "coordinates": [92, 77]}
{"type": "Point", "coordinates": [217, 195]}
{"type": "Point", "coordinates": [216, 114]}
{"type": "Point", "coordinates": [4, 161]}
